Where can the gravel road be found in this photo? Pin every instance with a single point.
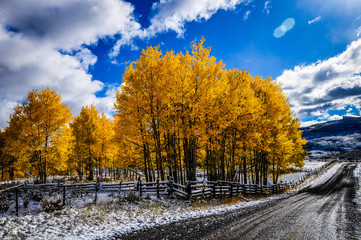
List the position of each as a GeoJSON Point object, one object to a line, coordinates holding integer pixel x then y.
{"type": "Point", "coordinates": [326, 211]}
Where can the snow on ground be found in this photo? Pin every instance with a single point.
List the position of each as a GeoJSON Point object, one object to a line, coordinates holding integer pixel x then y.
{"type": "Point", "coordinates": [325, 144]}
{"type": "Point", "coordinates": [291, 176]}
{"type": "Point", "coordinates": [114, 216]}
{"type": "Point", "coordinates": [309, 166]}
{"type": "Point", "coordinates": [107, 218]}
{"type": "Point", "coordinates": [317, 154]}
{"type": "Point", "coordinates": [326, 175]}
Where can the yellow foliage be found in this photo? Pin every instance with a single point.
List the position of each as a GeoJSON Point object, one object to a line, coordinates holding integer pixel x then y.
{"type": "Point", "coordinates": [175, 111]}
{"type": "Point", "coordinates": [32, 126]}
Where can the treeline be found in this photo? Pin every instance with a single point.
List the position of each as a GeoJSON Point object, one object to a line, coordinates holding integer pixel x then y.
{"type": "Point", "coordinates": [44, 139]}
{"type": "Point", "coordinates": [177, 114]}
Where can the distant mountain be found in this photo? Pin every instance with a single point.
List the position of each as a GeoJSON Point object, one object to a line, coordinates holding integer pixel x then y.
{"type": "Point", "coordinates": [342, 135]}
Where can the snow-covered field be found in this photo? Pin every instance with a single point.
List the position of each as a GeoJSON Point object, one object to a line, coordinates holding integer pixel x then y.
{"type": "Point", "coordinates": [107, 218]}
{"type": "Point", "coordinates": [309, 165]}
{"type": "Point", "coordinates": [326, 175]}
{"type": "Point", "coordinates": [324, 145]}
{"type": "Point", "coordinates": [83, 220]}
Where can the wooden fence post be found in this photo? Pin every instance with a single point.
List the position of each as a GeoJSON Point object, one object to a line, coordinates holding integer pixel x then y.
{"type": "Point", "coordinates": [189, 190]}
{"type": "Point", "coordinates": [140, 186]}
{"type": "Point", "coordinates": [120, 187]}
{"type": "Point", "coordinates": [231, 190]}
{"type": "Point", "coordinates": [220, 189]}
{"type": "Point", "coordinates": [81, 190]}
{"type": "Point", "coordinates": [214, 189]}
{"type": "Point", "coordinates": [63, 194]}
{"type": "Point", "coordinates": [203, 188]}
{"type": "Point", "coordinates": [96, 193]}
{"type": "Point", "coordinates": [137, 186]}
{"type": "Point", "coordinates": [158, 188]}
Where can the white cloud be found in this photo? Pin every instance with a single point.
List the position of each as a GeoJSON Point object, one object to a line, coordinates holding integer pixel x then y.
{"type": "Point", "coordinates": [334, 83]}
{"type": "Point", "coordinates": [246, 15]}
{"type": "Point", "coordinates": [323, 118]}
{"type": "Point", "coordinates": [267, 7]}
{"type": "Point", "coordinates": [172, 15]}
{"type": "Point", "coordinates": [316, 19]}
{"type": "Point", "coordinates": [86, 58]}
{"type": "Point", "coordinates": [334, 117]}
{"type": "Point", "coordinates": [43, 44]}
{"type": "Point", "coordinates": [68, 24]}
{"type": "Point", "coordinates": [351, 115]}
{"type": "Point", "coordinates": [310, 123]}
{"type": "Point", "coordinates": [27, 65]}
{"type": "Point", "coordinates": [106, 103]}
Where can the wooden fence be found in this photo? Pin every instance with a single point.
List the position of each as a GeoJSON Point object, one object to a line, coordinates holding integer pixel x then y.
{"type": "Point", "coordinates": [192, 189]}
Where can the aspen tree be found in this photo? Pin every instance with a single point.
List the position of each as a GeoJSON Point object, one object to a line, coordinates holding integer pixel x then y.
{"type": "Point", "coordinates": [85, 128]}
{"type": "Point", "coordinates": [38, 119]}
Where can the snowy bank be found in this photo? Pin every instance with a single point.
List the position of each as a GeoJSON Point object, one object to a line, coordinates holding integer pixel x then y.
{"type": "Point", "coordinates": [115, 216]}
{"type": "Point", "coordinates": [325, 176]}
{"type": "Point", "coordinates": [108, 218]}
{"type": "Point", "coordinates": [309, 166]}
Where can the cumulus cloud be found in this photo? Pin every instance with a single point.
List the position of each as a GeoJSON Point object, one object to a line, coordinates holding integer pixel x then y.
{"type": "Point", "coordinates": [67, 24]}
{"type": "Point", "coordinates": [172, 15]}
{"type": "Point", "coordinates": [331, 84]}
{"type": "Point", "coordinates": [106, 103]}
{"type": "Point", "coordinates": [324, 118]}
{"type": "Point", "coordinates": [43, 44]}
{"type": "Point", "coordinates": [316, 19]}
{"type": "Point", "coordinates": [46, 43]}
{"type": "Point", "coordinates": [86, 58]}
{"type": "Point", "coordinates": [311, 122]}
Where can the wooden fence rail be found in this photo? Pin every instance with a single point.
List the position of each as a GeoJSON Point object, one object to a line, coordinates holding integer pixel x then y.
{"type": "Point", "coordinates": [192, 189]}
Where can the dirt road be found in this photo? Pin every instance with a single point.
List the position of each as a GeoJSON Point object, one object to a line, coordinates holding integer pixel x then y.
{"type": "Point", "coordinates": [323, 212]}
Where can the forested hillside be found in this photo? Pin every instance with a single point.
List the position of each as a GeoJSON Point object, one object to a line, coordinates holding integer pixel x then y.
{"type": "Point", "coordinates": [342, 135]}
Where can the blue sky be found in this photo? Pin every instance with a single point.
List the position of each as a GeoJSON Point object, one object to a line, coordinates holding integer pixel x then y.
{"type": "Point", "coordinates": [81, 48]}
